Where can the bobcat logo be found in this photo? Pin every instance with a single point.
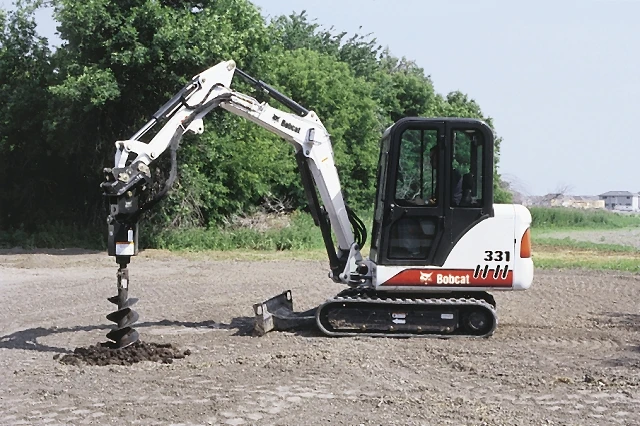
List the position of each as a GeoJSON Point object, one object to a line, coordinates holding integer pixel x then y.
{"type": "Point", "coordinates": [425, 277]}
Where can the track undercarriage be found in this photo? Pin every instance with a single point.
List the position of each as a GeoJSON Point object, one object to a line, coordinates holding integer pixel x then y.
{"type": "Point", "coordinates": [364, 312]}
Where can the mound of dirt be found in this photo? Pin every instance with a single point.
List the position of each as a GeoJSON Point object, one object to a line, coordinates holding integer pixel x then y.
{"type": "Point", "coordinates": [103, 354]}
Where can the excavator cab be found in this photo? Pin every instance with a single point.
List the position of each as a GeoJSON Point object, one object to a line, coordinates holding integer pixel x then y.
{"type": "Point", "coordinates": [435, 182]}
{"type": "Point", "coordinates": [436, 244]}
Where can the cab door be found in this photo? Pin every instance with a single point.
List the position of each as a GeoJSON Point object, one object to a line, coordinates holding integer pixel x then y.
{"type": "Point", "coordinates": [434, 180]}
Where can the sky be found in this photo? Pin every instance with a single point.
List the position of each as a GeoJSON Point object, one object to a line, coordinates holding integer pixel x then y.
{"type": "Point", "coordinates": [561, 79]}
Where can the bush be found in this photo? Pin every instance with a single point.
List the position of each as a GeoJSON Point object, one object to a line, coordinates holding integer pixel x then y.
{"type": "Point", "coordinates": [299, 234]}
{"type": "Point", "coordinates": [55, 235]}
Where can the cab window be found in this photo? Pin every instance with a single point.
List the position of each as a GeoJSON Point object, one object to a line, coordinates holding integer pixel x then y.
{"type": "Point", "coordinates": [468, 146]}
{"type": "Point", "coordinates": [416, 176]}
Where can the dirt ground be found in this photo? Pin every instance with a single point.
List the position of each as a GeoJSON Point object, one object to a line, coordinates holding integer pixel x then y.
{"type": "Point", "coordinates": [566, 352]}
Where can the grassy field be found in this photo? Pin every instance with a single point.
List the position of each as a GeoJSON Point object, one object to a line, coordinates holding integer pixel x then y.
{"type": "Point", "coordinates": [550, 252]}
{"type": "Point", "coordinates": [570, 238]}
{"type": "Point", "coordinates": [554, 218]}
{"type": "Point", "coordinates": [561, 238]}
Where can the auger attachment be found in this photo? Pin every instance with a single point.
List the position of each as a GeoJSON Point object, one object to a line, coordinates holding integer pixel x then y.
{"type": "Point", "coordinates": [123, 334]}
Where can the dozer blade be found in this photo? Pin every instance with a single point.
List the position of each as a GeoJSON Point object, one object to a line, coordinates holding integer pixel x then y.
{"type": "Point", "coordinates": [277, 314]}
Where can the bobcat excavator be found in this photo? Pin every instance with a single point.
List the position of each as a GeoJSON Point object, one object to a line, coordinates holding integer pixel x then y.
{"type": "Point", "coordinates": [438, 243]}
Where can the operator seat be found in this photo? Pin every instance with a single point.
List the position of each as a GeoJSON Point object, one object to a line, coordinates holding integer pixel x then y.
{"type": "Point", "coordinates": [467, 188]}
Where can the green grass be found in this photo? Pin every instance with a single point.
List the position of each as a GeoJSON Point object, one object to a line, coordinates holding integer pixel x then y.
{"type": "Point", "coordinates": [301, 239]}
{"type": "Point", "coordinates": [301, 234]}
{"type": "Point", "coordinates": [598, 264]}
{"type": "Point", "coordinates": [567, 253]}
{"type": "Point", "coordinates": [567, 218]}
{"type": "Point", "coordinates": [586, 260]}
{"type": "Point", "coordinates": [55, 236]}
{"type": "Point", "coordinates": [550, 252]}
{"type": "Point", "coordinates": [571, 244]}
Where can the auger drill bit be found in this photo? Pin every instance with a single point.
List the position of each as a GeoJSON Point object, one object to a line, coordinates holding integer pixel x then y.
{"type": "Point", "coordinates": [123, 334]}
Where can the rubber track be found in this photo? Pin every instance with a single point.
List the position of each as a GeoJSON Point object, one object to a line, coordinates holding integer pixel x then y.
{"type": "Point", "coordinates": [357, 296]}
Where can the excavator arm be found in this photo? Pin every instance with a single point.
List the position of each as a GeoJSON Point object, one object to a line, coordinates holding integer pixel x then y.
{"type": "Point", "coordinates": [128, 184]}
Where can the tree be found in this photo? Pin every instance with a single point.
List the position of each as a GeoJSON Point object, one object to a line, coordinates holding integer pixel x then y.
{"type": "Point", "coordinates": [345, 105]}
{"type": "Point", "coordinates": [120, 60]}
{"type": "Point", "coordinates": [27, 166]}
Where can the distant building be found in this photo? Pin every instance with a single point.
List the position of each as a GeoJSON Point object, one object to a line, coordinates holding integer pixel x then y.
{"type": "Point", "coordinates": [620, 200]}
{"type": "Point", "coordinates": [562, 200]}
{"type": "Point", "coordinates": [584, 202]}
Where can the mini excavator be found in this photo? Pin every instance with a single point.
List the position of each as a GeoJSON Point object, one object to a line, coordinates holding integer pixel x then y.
{"type": "Point", "coordinates": [438, 245]}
